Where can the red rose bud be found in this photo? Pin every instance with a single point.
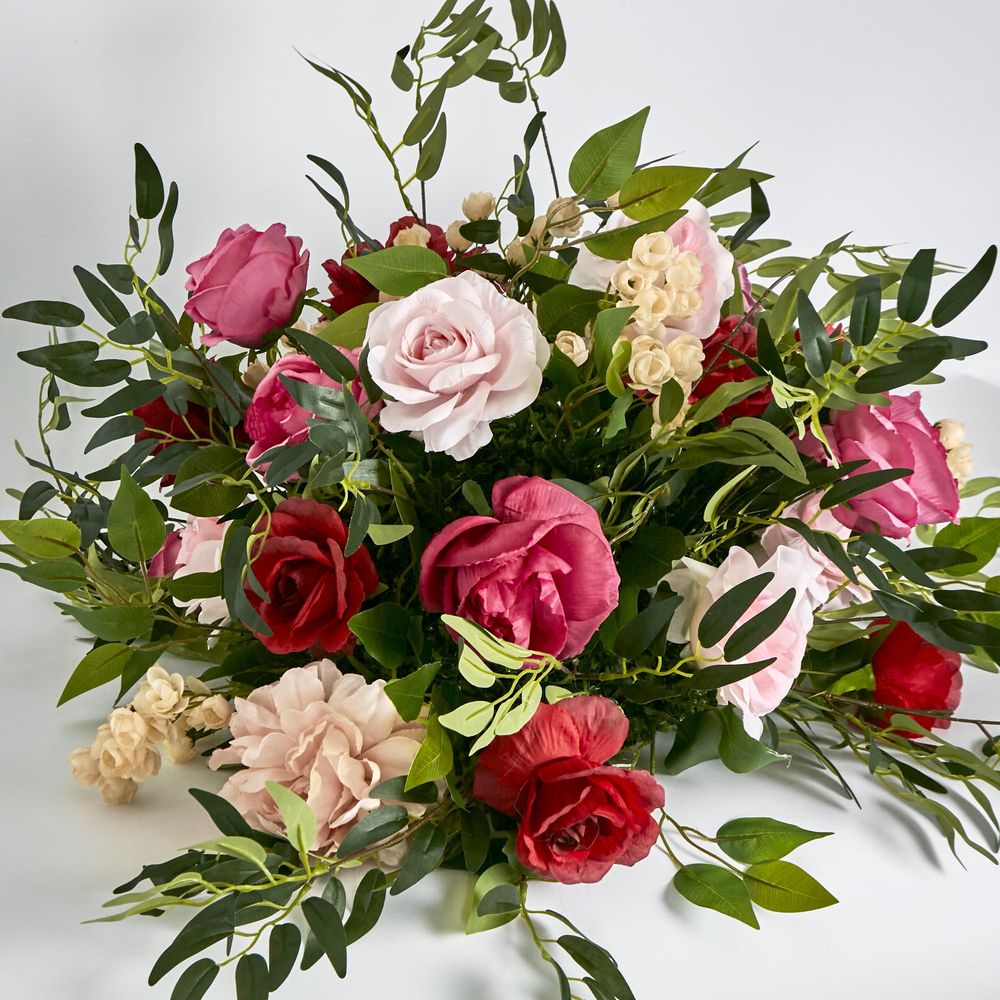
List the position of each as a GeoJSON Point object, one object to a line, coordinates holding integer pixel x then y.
{"type": "Point", "coordinates": [313, 589]}
{"type": "Point", "coordinates": [913, 674]}
{"type": "Point", "coordinates": [347, 288]}
{"type": "Point", "coordinates": [578, 816]}
{"type": "Point", "coordinates": [724, 364]}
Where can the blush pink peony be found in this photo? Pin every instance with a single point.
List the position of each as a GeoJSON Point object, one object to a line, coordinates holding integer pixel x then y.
{"type": "Point", "coordinates": [249, 285]}
{"type": "Point", "coordinates": [454, 356]}
{"type": "Point", "coordinates": [700, 586]}
{"type": "Point", "coordinates": [897, 436]}
{"type": "Point", "coordinates": [329, 737]}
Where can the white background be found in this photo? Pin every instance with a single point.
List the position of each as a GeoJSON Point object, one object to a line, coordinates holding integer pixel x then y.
{"type": "Point", "coordinates": [875, 117]}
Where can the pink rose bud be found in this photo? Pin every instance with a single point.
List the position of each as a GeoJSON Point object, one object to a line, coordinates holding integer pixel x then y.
{"type": "Point", "coordinates": [249, 285]}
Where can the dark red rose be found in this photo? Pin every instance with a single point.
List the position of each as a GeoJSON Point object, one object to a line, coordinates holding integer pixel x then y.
{"type": "Point", "coordinates": [578, 816]}
{"type": "Point", "coordinates": [167, 427]}
{"type": "Point", "coordinates": [912, 673]}
{"type": "Point", "coordinates": [438, 241]}
{"type": "Point", "coordinates": [723, 364]}
{"type": "Point", "coordinates": [312, 588]}
{"type": "Point", "coordinates": [347, 288]}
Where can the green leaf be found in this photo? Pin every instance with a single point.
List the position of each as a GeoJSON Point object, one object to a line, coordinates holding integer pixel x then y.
{"type": "Point", "coordinates": [716, 888]}
{"type": "Point", "coordinates": [107, 304]}
{"type": "Point", "coordinates": [432, 151]}
{"type": "Point", "coordinates": [556, 54]}
{"type": "Point", "coordinates": [434, 759]}
{"type": "Point", "coordinates": [979, 536]}
{"type": "Point", "coordinates": [101, 665]}
{"type": "Point", "coordinates": [206, 496]}
{"type": "Point", "coordinates": [76, 362]}
{"type": "Point", "coordinates": [63, 576]}
{"type": "Point", "coordinates": [915, 286]}
{"type": "Point", "coordinates": [472, 61]}
{"type": "Point", "coordinates": [758, 838]}
{"type": "Point", "coordinates": [137, 329]}
{"type": "Point", "coordinates": [473, 669]}
{"type": "Point", "coordinates": [617, 244]}
{"type": "Point", "coordinates": [604, 162]}
{"type": "Point", "coordinates": [759, 214]}
{"type": "Point", "coordinates": [650, 555]}
{"type": "Point", "coordinates": [423, 121]}
{"type": "Point", "coordinates": [252, 978]}
{"type": "Point", "coordinates": [862, 679]}
{"type": "Point", "coordinates": [695, 741]}
{"type": "Point", "coordinates": [46, 312]}
{"type": "Point", "coordinates": [425, 854]}
{"type": "Point", "coordinates": [348, 329]}
{"type": "Point", "coordinates": [722, 616]}
{"type": "Point", "coordinates": [331, 360]}
{"type": "Point", "coordinates": [402, 75]}
{"type": "Point", "coordinates": [298, 817]}
{"type": "Point", "coordinates": [725, 396]}
{"type": "Point", "coordinates": [639, 632]}
{"type": "Point", "coordinates": [209, 925]}
{"type": "Point", "coordinates": [521, 11]}
{"type": "Point", "coordinates": [500, 899]}
{"type": "Point", "coordinates": [384, 631]}
{"type": "Point", "coordinates": [408, 693]}
{"type": "Point", "coordinates": [369, 899]}
{"type": "Point", "coordinates": [599, 964]}
{"type": "Point", "coordinates": [964, 291]}
{"type": "Point", "coordinates": [165, 230]}
{"type": "Point", "coordinates": [760, 627]}
{"type": "Point", "coordinates": [394, 790]}
{"type": "Point", "coordinates": [717, 675]}
{"type": "Point", "coordinates": [740, 752]}
{"type": "Point", "coordinates": [148, 184]}
{"type": "Point", "coordinates": [387, 534]}
{"type": "Point", "coordinates": [469, 719]}
{"type": "Point", "coordinates": [223, 814]}
{"type": "Point", "coordinates": [866, 310]}
{"type": "Point", "coordinates": [608, 328]}
{"type": "Point", "coordinates": [282, 950]}
{"type": "Point", "coordinates": [325, 923]}
{"type": "Point", "coordinates": [816, 346]}
{"type": "Point", "coordinates": [785, 888]}
{"type": "Point", "coordinates": [860, 482]}
{"type": "Point", "coordinates": [502, 874]}
{"type": "Point", "coordinates": [113, 623]}
{"type": "Point", "coordinates": [655, 190]}
{"type": "Point", "coordinates": [135, 526]}
{"type": "Point", "coordinates": [43, 538]}
{"type": "Point", "coordinates": [399, 270]}
{"type": "Point", "coordinates": [567, 307]}
{"type": "Point", "coordinates": [375, 827]}
{"type": "Point", "coordinates": [196, 980]}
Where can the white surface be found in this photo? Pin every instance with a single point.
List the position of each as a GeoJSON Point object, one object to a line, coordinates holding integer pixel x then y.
{"type": "Point", "coordinates": [875, 117]}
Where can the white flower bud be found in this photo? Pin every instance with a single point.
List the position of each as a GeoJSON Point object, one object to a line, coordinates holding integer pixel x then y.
{"type": "Point", "coordinates": [413, 236]}
{"type": "Point", "coordinates": [478, 205]}
{"type": "Point", "coordinates": [212, 713]}
{"type": "Point", "coordinates": [117, 791]}
{"type": "Point", "coordinates": [649, 366]}
{"type": "Point", "coordinates": [573, 346]}
{"type": "Point", "coordinates": [564, 217]}
{"type": "Point", "coordinates": [686, 355]}
{"type": "Point", "coordinates": [455, 239]}
{"type": "Point", "coordinates": [612, 200]}
{"type": "Point", "coordinates": [960, 461]}
{"type": "Point", "coordinates": [951, 432]}
{"type": "Point", "coordinates": [515, 252]}
{"type": "Point", "coordinates": [254, 374]}
{"type": "Point", "coordinates": [655, 250]}
{"type": "Point", "coordinates": [128, 728]}
{"type": "Point", "coordinates": [83, 764]}
{"type": "Point", "coordinates": [684, 272]}
{"type": "Point", "coordinates": [160, 700]}
{"type": "Point", "coordinates": [629, 278]}
{"type": "Point", "coordinates": [653, 306]}
{"type": "Point", "coordinates": [118, 761]}
{"type": "Point", "coordinates": [659, 429]}
{"type": "Point", "coordinates": [178, 746]}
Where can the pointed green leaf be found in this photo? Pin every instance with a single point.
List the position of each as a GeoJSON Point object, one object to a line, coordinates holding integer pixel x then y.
{"type": "Point", "coordinates": [716, 888]}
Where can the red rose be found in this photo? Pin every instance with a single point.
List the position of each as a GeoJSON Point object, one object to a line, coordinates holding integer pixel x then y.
{"type": "Point", "coordinates": [312, 588]}
{"type": "Point", "coordinates": [912, 673]}
{"type": "Point", "coordinates": [539, 572]}
{"type": "Point", "coordinates": [347, 288]}
{"type": "Point", "coordinates": [167, 427]}
{"type": "Point", "coordinates": [578, 816]}
{"type": "Point", "coordinates": [723, 364]}
{"type": "Point", "coordinates": [438, 241]}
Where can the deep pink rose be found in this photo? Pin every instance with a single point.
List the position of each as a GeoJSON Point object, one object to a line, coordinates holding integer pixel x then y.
{"type": "Point", "coordinates": [165, 562]}
{"type": "Point", "coordinates": [577, 815]}
{"type": "Point", "coordinates": [274, 418]}
{"type": "Point", "coordinates": [539, 573]}
{"type": "Point", "coordinates": [897, 436]}
{"type": "Point", "coordinates": [248, 285]}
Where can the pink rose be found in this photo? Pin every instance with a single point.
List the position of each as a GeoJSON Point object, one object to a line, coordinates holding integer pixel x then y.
{"type": "Point", "coordinates": [701, 586]}
{"type": "Point", "coordinates": [249, 285]}
{"type": "Point", "coordinates": [329, 737]}
{"type": "Point", "coordinates": [692, 233]}
{"type": "Point", "coordinates": [539, 573]}
{"type": "Point", "coordinates": [165, 561]}
{"type": "Point", "coordinates": [274, 418]}
{"type": "Point", "coordinates": [453, 357]}
{"type": "Point", "coordinates": [200, 551]}
{"type": "Point", "coordinates": [831, 589]}
{"type": "Point", "coordinates": [897, 436]}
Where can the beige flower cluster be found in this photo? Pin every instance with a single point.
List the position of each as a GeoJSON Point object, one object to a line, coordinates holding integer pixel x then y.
{"type": "Point", "coordinates": [476, 206]}
{"type": "Point", "coordinates": [125, 751]}
{"type": "Point", "coordinates": [562, 220]}
{"type": "Point", "coordinates": [952, 437]}
{"type": "Point", "coordinates": [660, 281]}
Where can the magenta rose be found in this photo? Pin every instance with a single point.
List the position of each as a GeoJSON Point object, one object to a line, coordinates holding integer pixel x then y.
{"type": "Point", "coordinates": [897, 436]}
{"type": "Point", "coordinates": [539, 573]}
{"type": "Point", "coordinates": [249, 285]}
{"type": "Point", "coordinates": [274, 418]}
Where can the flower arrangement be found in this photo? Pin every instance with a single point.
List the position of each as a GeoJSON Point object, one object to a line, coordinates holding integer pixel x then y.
{"type": "Point", "coordinates": [527, 514]}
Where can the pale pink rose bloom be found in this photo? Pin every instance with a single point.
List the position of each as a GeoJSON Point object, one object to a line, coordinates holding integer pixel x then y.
{"type": "Point", "coordinates": [700, 586]}
{"type": "Point", "coordinates": [201, 552]}
{"type": "Point", "coordinates": [329, 737]}
{"type": "Point", "coordinates": [831, 588]}
{"type": "Point", "coordinates": [455, 356]}
{"type": "Point", "coordinates": [693, 233]}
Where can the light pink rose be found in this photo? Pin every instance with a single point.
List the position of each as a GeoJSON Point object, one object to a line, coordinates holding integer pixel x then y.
{"type": "Point", "coordinates": [454, 356]}
{"type": "Point", "coordinates": [831, 588]}
{"type": "Point", "coordinates": [693, 233]}
{"type": "Point", "coordinates": [897, 436]}
{"type": "Point", "coordinates": [248, 285]}
{"type": "Point", "coordinates": [700, 586]}
{"type": "Point", "coordinates": [274, 418]}
{"type": "Point", "coordinates": [329, 737]}
{"type": "Point", "coordinates": [200, 551]}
